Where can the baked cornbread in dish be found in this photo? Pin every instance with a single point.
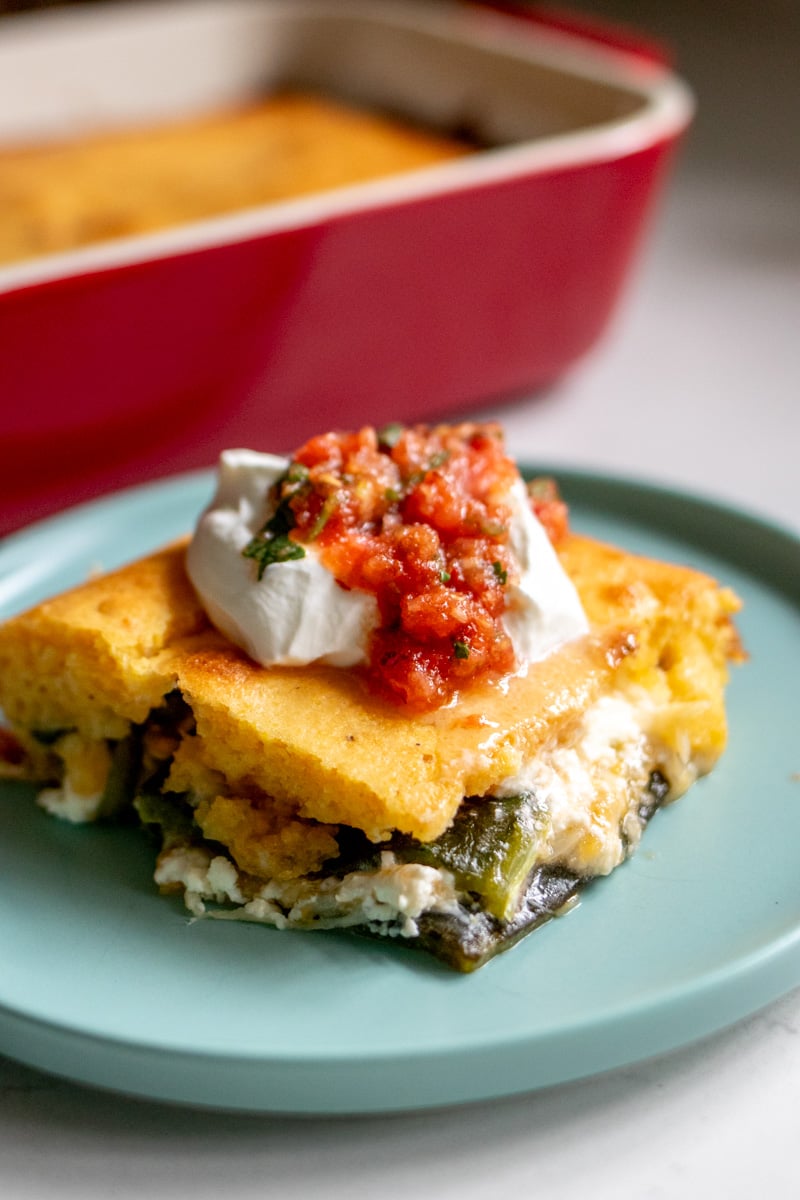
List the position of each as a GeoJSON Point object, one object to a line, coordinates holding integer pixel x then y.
{"type": "Point", "coordinates": [194, 330]}
{"type": "Point", "coordinates": [519, 702]}
{"type": "Point", "coordinates": [63, 195]}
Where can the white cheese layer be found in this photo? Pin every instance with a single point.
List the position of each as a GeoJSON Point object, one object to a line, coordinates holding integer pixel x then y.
{"type": "Point", "coordinates": [389, 900]}
{"type": "Point", "coordinates": [591, 788]}
{"type": "Point", "coordinates": [67, 804]}
{"type": "Point", "coordinates": [297, 613]}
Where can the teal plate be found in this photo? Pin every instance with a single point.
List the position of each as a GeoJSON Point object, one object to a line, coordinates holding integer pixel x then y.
{"type": "Point", "coordinates": [105, 982]}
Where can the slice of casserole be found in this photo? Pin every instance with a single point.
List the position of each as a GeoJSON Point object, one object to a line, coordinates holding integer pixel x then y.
{"type": "Point", "coordinates": [305, 795]}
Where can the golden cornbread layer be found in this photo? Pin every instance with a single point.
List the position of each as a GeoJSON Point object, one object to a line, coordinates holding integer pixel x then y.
{"type": "Point", "coordinates": [103, 655]}
{"type": "Point", "coordinates": [61, 196]}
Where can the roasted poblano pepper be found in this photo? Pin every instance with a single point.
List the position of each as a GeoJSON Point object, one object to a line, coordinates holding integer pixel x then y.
{"type": "Point", "coordinates": [470, 936]}
{"type": "Point", "coordinates": [126, 758]}
{"type": "Point", "coordinates": [490, 849]}
{"type": "Point", "coordinates": [168, 818]}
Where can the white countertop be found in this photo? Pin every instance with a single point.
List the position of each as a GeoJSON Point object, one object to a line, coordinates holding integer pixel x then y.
{"type": "Point", "coordinates": [694, 385]}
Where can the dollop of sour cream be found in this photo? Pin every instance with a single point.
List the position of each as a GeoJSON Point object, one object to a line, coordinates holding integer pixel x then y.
{"type": "Point", "coordinates": [298, 614]}
{"type": "Point", "coordinates": [543, 609]}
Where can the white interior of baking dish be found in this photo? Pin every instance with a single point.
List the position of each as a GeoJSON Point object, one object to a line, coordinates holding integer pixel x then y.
{"type": "Point", "coordinates": [540, 98]}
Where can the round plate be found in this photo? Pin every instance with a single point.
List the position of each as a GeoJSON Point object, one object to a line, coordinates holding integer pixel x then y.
{"type": "Point", "coordinates": [106, 982]}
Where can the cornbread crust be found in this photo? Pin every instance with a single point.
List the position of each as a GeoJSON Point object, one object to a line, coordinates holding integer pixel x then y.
{"type": "Point", "coordinates": [103, 655]}
{"type": "Point", "coordinates": [58, 197]}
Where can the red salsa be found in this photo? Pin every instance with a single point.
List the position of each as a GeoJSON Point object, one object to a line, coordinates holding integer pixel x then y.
{"type": "Point", "coordinates": [419, 516]}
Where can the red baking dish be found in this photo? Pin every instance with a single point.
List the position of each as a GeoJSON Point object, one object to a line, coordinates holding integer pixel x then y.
{"type": "Point", "coordinates": [408, 298]}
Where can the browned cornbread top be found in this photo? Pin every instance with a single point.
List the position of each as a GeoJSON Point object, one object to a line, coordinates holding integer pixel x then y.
{"type": "Point", "coordinates": [104, 654]}
{"type": "Point", "coordinates": [58, 197]}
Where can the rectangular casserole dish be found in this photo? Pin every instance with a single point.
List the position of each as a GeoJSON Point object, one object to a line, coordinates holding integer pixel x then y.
{"type": "Point", "coordinates": [407, 298]}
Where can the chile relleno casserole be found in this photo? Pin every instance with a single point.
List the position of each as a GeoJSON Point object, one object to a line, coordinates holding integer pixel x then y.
{"type": "Point", "coordinates": [460, 777]}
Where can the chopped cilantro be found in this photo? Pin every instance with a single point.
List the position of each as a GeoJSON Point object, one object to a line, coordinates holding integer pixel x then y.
{"type": "Point", "coordinates": [500, 572]}
{"type": "Point", "coordinates": [297, 475]}
{"type": "Point", "coordinates": [268, 548]}
{"type": "Point", "coordinates": [390, 435]}
{"type": "Point", "coordinates": [434, 462]}
{"type": "Point", "coordinates": [461, 649]}
{"type": "Point", "coordinates": [329, 506]}
{"type": "Point", "coordinates": [272, 544]}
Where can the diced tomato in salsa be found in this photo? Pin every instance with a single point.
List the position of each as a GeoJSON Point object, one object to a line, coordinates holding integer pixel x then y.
{"type": "Point", "coordinates": [419, 517]}
{"type": "Point", "coordinates": [549, 508]}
